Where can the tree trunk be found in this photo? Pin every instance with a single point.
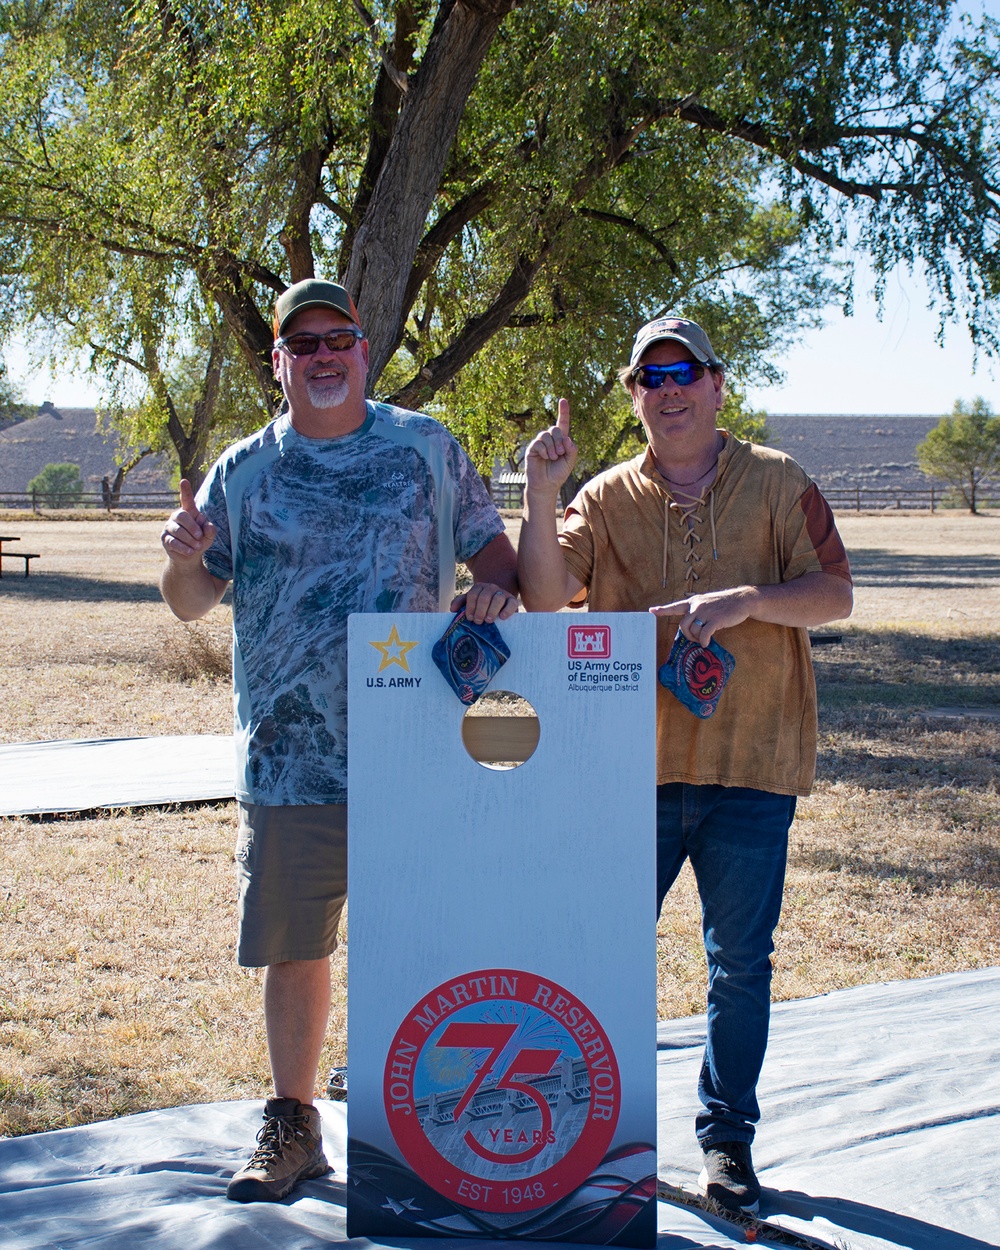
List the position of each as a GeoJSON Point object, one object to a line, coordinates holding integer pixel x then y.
{"type": "Point", "coordinates": [388, 238]}
{"type": "Point", "coordinates": [111, 490]}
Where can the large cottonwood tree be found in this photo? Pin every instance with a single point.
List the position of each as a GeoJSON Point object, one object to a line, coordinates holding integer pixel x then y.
{"type": "Point", "coordinates": [507, 188]}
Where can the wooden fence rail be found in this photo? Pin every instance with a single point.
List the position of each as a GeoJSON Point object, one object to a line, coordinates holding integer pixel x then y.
{"type": "Point", "coordinates": [876, 498]}
{"type": "Point", "coordinates": [852, 498]}
{"type": "Point", "coordinates": [49, 501]}
{"type": "Point", "coordinates": [885, 498]}
{"type": "Point", "coordinates": [855, 498]}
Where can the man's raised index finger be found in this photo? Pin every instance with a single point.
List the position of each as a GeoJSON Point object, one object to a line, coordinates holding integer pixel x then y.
{"type": "Point", "coordinates": [562, 421]}
{"type": "Point", "coordinates": [187, 497]}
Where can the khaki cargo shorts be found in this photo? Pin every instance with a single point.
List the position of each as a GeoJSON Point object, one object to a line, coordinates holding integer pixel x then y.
{"type": "Point", "coordinates": [291, 867]}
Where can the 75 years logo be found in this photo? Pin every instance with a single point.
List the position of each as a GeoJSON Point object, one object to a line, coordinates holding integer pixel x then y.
{"type": "Point", "coordinates": [501, 1090]}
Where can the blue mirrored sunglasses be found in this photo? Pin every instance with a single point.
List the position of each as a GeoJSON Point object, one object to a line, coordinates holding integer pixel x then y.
{"type": "Point", "coordinates": [307, 344]}
{"type": "Point", "coordinates": [652, 377]}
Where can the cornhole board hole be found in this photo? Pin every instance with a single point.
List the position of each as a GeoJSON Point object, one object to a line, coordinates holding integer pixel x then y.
{"type": "Point", "coordinates": [501, 955]}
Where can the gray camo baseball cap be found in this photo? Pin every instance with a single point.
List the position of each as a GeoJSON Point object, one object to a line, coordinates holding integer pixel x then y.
{"type": "Point", "coordinates": [680, 330]}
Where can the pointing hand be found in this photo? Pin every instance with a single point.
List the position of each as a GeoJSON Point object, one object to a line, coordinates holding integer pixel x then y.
{"type": "Point", "coordinates": [188, 533]}
{"type": "Point", "coordinates": [551, 455]}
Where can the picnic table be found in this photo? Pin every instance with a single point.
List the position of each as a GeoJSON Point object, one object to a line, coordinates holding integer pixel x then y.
{"type": "Point", "coordinates": [26, 556]}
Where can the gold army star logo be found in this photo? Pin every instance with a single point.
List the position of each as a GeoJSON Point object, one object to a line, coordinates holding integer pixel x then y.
{"type": "Point", "coordinates": [394, 650]}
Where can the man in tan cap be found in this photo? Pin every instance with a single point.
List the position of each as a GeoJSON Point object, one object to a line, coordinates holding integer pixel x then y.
{"type": "Point", "coordinates": [339, 505]}
{"type": "Point", "coordinates": [721, 539]}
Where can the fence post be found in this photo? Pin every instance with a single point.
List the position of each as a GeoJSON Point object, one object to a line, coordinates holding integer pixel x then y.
{"type": "Point", "coordinates": [932, 501]}
{"type": "Point", "coordinates": [857, 499]}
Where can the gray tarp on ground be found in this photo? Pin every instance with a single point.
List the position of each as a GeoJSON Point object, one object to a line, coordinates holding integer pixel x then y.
{"type": "Point", "coordinates": [881, 1113]}
{"type": "Point", "coordinates": [881, 1132]}
{"type": "Point", "coordinates": [78, 775]}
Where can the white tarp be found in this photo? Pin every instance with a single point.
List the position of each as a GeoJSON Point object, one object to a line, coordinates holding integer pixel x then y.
{"type": "Point", "coordinates": [78, 775]}
{"type": "Point", "coordinates": [159, 1179]}
{"type": "Point", "coordinates": [881, 1131]}
{"type": "Point", "coordinates": [881, 1113]}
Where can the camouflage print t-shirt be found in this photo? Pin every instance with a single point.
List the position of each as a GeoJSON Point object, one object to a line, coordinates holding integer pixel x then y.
{"type": "Point", "coordinates": [309, 531]}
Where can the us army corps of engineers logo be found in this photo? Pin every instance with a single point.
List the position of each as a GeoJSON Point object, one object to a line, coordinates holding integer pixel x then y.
{"type": "Point", "coordinates": [502, 1090]}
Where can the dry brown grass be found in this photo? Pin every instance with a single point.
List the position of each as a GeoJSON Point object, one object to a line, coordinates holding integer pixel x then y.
{"type": "Point", "coordinates": [89, 649]}
{"type": "Point", "coordinates": [118, 990]}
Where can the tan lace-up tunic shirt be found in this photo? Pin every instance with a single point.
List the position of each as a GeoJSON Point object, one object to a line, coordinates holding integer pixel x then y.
{"type": "Point", "coordinates": [763, 522]}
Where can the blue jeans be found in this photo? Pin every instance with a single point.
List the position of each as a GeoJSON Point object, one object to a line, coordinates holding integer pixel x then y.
{"type": "Point", "coordinates": [737, 841]}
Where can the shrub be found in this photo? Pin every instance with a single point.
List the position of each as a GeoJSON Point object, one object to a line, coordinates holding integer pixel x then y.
{"type": "Point", "coordinates": [61, 484]}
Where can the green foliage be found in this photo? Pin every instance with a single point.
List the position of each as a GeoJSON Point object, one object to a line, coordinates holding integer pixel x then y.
{"type": "Point", "coordinates": [166, 169]}
{"type": "Point", "coordinates": [60, 483]}
{"type": "Point", "coordinates": [576, 327]}
{"type": "Point", "coordinates": [743, 421]}
{"type": "Point", "coordinates": [193, 399]}
{"type": "Point", "coordinates": [12, 409]}
{"type": "Point", "coordinates": [963, 449]}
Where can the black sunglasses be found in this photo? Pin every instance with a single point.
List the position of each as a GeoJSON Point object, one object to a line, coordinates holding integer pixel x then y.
{"type": "Point", "coordinates": [652, 377]}
{"type": "Point", "coordinates": [308, 344]}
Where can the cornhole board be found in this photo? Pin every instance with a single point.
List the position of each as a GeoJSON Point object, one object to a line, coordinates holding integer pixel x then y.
{"type": "Point", "coordinates": [501, 958]}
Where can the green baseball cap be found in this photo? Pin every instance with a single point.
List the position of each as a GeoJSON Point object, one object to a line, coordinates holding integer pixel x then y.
{"type": "Point", "coordinates": [311, 293]}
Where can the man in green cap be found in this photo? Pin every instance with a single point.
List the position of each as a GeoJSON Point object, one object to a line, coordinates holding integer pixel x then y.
{"type": "Point", "coordinates": [340, 504]}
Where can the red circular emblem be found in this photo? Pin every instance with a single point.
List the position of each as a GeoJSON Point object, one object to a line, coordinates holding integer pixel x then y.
{"type": "Point", "coordinates": [703, 673]}
{"type": "Point", "coordinates": [501, 1090]}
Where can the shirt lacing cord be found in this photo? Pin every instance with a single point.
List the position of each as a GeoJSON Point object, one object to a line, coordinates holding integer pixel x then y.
{"type": "Point", "coordinates": [689, 518]}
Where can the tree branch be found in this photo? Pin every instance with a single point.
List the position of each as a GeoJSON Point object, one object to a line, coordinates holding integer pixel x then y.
{"type": "Point", "coordinates": [295, 234]}
{"type": "Point", "coordinates": [444, 231]}
{"type": "Point", "coordinates": [222, 276]}
{"type": "Point", "coordinates": [100, 350]}
{"type": "Point", "coordinates": [790, 148]}
{"type": "Point", "coordinates": [338, 210]}
{"type": "Point", "coordinates": [476, 332]}
{"type": "Point", "coordinates": [634, 227]}
{"type": "Point", "coordinates": [396, 75]}
{"type": "Point", "coordinates": [204, 405]}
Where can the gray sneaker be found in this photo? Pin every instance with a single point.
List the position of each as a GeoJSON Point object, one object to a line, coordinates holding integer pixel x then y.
{"type": "Point", "coordinates": [728, 1177]}
{"type": "Point", "coordinates": [289, 1150]}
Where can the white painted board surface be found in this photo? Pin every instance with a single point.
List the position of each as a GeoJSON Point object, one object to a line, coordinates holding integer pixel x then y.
{"type": "Point", "coordinates": [502, 939]}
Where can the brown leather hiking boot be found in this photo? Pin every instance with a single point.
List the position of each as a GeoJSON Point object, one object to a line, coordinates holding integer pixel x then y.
{"type": "Point", "coordinates": [290, 1149]}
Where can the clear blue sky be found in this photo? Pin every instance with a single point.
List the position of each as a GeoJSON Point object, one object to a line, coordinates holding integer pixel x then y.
{"type": "Point", "coordinates": [852, 364]}
{"type": "Point", "coordinates": [892, 365]}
